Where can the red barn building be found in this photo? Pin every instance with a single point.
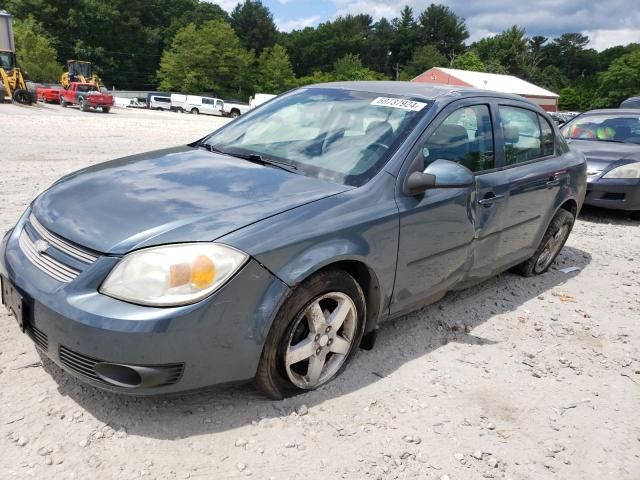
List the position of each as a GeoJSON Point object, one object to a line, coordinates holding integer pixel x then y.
{"type": "Point", "coordinates": [491, 81]}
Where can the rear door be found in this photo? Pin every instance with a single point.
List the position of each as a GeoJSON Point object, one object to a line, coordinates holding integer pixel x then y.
{"type": "Point", "coordinates": [533, 171]}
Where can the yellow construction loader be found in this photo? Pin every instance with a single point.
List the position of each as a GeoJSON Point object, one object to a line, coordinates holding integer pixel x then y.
{"type": "Point", "coordinates": [79, 71]}
{"type": "Point", "coordinates": [12, 82]}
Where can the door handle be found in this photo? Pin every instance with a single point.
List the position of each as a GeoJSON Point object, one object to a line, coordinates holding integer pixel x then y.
{"type": "Point", "coordinates": [489, 198]}
{"type": "Point", "coordinates": [553, 181]}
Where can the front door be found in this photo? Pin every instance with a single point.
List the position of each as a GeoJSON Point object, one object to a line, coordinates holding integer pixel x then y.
{"type": "Point", "coordinates": [438, 227]}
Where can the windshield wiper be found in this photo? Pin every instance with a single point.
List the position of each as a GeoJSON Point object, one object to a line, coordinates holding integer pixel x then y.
{"type": "Point", "coordinates": [211, 148]}
{"type": "Point", "coordinates": [257, 158]}
{"type": "Point", "coordinates": [252, 157]}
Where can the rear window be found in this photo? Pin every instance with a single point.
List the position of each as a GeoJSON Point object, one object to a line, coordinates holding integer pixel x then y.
{"type": "Point", "coordinates": [548, 141]}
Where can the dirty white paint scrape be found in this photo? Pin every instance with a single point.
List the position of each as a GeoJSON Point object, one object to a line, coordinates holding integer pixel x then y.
{"type": "Point", "coordinates": [402, 103]}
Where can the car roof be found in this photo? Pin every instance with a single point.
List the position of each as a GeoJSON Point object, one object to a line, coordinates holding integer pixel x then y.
{"type": "Point", "coordinates": [427, 91]}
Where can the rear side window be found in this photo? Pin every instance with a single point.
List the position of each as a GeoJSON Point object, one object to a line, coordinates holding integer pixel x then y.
{"type": "Point", "coordinates": [548, 142]}
{"type": "Point", "coordinates": [521, 133]}
{"type": "Point", "coordinates": [465, 137]}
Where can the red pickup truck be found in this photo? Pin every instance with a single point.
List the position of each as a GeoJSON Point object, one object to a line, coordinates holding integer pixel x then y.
{"type": "Point", "coordinates": [87, 96]}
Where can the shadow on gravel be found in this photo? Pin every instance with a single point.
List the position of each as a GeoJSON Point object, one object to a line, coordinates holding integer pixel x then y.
{"type": "Point", "coordinates": [606, 216]}
{"type": "Point", "coordinates": [409, 338]}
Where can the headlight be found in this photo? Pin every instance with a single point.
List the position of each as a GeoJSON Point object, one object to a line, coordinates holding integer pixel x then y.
{"type": "Point", "coordinates": [630, 170]}
{"type": "Point", "coordinates": [172, 275]}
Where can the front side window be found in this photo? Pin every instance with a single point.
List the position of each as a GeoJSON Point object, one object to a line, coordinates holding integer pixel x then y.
{"type": "Point", "coordinates": [336, 134]}
{"type": "Point", "coordinates": [521, 133]}
{"type": "Point", "coordinates": [465, 137]}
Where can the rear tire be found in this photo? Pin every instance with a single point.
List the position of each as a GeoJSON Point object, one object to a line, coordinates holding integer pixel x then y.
{"type": "Point", "coordinates": [106, 109]}
{"type": "Point", "coordinates": [195, 111]}
{"type": "Point", "coordinates": [552, 243]}
{"type": "Point", "coordinates": [235, 114]}
{"type": "Point", "coordinates": [302, 336]}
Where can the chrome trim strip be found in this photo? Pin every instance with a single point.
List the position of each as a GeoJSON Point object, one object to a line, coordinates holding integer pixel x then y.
{"type": "Point", "coordinates": [61, 244]}
{"type": "Point", "coordinates": [44, 262]}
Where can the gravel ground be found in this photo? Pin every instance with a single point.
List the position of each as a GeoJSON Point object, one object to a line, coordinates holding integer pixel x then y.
{"type": "Point", "coordinates": [517, 378]}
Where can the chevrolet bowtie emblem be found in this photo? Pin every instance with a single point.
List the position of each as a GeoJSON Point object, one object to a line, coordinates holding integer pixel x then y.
{"type": "Point", "coordinates": [41, 246]}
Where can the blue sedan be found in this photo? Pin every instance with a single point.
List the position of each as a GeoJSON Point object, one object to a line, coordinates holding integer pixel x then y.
{"type": "Point", "coordinates": [273, 248]}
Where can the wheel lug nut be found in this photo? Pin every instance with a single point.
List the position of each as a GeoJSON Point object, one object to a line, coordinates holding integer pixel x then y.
{"type": "Point", "coordinates": [330, 341]}
{"type": "Point", "coordinates": [318, 350]}
{"type": "Point", "coordinates": [327, 330]}
{"type": "Point", "coordinates": [317, 338]}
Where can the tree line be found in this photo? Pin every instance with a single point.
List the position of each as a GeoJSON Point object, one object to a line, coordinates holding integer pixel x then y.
{"type": "Point", "coordinates": [194, 46]}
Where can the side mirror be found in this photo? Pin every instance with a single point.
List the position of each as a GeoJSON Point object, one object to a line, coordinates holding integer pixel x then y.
{"type": "Point", "coordinates": [418, 182]}
{"type": "Point", "coordinates": [439, 174]}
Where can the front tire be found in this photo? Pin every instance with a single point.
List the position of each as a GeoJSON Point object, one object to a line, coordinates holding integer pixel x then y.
{"type": "Point", "coordinates": [313, 337]}
{"type": "Point", "coordinates": [84, 105]}
{"type": "Point", "coordinates": [22, 97]}
{"type": "Point", "coordinates": [195, 111]}
{"type": "Point", "coordinates": [552, 242]}
{"type": "Point", "coordinates": [106, 109]}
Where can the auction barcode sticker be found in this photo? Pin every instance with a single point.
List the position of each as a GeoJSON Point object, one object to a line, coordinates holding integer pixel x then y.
{"type": "Point", "coordinates": [399, 103]}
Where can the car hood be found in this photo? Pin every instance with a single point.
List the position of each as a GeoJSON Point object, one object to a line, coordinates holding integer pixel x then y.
{"type": "Point", "coordinates": [601, 155]}
{"type": "Point", "coordinates": [176, 195]}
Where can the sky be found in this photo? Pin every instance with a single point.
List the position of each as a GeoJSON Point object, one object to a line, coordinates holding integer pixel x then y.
{"type": "Point", "coordinates": [606, 22]}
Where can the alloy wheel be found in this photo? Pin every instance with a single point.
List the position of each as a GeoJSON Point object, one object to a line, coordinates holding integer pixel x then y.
{"type": "Point", "coordinates": [551, 249]}
{"type": "Point", "coordinates": [320, 341]}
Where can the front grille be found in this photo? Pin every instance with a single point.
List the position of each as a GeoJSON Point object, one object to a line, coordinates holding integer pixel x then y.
{"type": "Point", "coordinates": [39, 337]}
{"type": "Point", "coordinates": [81, 254]}
{"type": "Point", "coordinates": [84, 365]}
{"type": "Point", "coordinates": [44, 262]}
{"type": "Point", "coordinates": [36, 242]}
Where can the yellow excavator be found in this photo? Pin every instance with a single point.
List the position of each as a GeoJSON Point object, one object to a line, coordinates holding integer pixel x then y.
{"type": "Point", "coordinates": [12, 82]}
{"type": "Point", "coordinates": [79, 71]}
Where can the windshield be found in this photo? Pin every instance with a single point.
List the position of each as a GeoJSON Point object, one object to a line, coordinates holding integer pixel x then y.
{"type": "Point", "coordinates": [339, 135]}
{"type": "Point", "coordinates": [610, 127]}
{"type": "Point", "coordinates": [7, 60]}
{"type": "Point", "coordinates": [80, 68]}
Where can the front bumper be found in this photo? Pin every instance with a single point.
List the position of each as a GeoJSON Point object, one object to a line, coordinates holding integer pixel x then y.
{"type": "Point", "coordinates": [614, 194]}
{"type": "Point", "coordinates": [218, 340]}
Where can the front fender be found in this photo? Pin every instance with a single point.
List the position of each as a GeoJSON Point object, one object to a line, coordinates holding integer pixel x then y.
{"type": "Point", "coordinates": [321, 255]}
{"type": "Point", "coordinates": [359, 226]}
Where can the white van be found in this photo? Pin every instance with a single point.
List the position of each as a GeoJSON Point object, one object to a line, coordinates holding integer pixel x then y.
{"type": "Point", "coordinates": [156, 102]}
{"type": "Point", "coordinates": [205, 105]}
{"type": "Point", "coordinates": [178, 102]}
